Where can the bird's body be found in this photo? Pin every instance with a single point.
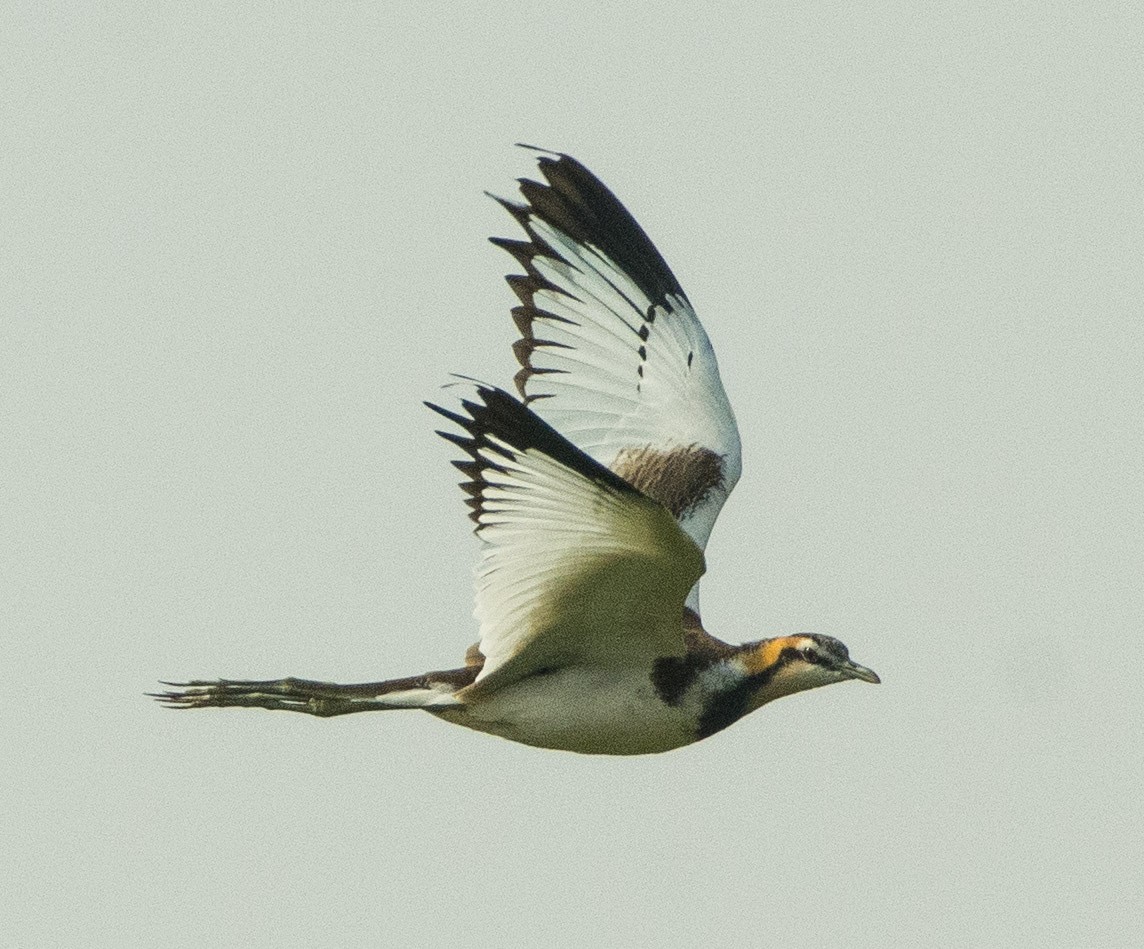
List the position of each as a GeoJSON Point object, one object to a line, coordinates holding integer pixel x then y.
{"type": "Point", "coordinates": [594, 498]}
{"type": "Point", "coordinates": [635, 710]}
{"type": "Point", "coordinates": [590, 709]}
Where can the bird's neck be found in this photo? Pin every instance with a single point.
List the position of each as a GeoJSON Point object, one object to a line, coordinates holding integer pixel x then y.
{"type": "Point", "coordinates": [737, 685]}
{"type": "Point", "coordinates": [769, 672]}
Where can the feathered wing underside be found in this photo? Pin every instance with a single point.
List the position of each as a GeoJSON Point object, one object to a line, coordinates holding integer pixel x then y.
{"type": "Point", "coordinates": [577, 566]}
{"type": "Point", "coordinates": [611, 351]}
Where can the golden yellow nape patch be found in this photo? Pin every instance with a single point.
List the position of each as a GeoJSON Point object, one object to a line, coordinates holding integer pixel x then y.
{"type": "Point", "coordinates": [767, 653]}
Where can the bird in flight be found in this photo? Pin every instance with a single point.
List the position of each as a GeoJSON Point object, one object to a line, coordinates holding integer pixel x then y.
{"type": "Point", "coordinates": [594, 494]}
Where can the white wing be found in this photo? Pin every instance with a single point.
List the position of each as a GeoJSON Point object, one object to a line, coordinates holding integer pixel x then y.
{"type": "Point", "coordinates": [611, 351]}
{"type": "Point", "coordinates": [577, 565]}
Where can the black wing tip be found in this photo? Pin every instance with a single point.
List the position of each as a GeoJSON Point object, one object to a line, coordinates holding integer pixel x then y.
{"type": "Point", "coordinates": [451, 416]}
{"type": "Point", "coordinates": [502, 417]}
{"type": "Point", "coordinates": [574, 201]}
{"type": "Point", "coordinates": [541, 149]}
{"type": "Point", "coordinates": [518, 210]}
{"type": "Point", "coordinates": [551, 157]}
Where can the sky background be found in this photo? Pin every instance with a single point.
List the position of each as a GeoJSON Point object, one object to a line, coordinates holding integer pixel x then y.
{"type": "Point", "coordinates": [240, 244]}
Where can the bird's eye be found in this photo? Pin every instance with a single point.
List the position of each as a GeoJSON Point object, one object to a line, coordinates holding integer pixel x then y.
{"type": "Point", "coordinates": [808, 655]}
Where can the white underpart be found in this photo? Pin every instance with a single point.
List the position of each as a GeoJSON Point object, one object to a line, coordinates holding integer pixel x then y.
{"type": "Point", "coordinates": [624, 715]}
{"type": "Point", "coordinates": [598, 399]}
{"type": "Point", "coordinates": [588, 709]}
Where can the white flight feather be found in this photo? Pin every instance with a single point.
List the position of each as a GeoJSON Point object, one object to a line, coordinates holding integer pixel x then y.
{"type": "Point", "coordinates": [573, 571]}
{"type": "Point", "coordinates": [595, 396]}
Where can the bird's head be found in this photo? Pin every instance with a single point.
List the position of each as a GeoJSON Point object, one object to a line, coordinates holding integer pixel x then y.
{"type": "Point", "coordinates": [790, 664]}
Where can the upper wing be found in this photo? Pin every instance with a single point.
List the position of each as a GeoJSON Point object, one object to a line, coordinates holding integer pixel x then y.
{"type": "Point", "coordinates": [611, 351]}
{"type": "Point", "coordinates": [577, 565]}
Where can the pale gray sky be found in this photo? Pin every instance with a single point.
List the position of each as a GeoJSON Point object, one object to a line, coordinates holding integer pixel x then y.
{"type": "Point", "coordinates": [239, 245]}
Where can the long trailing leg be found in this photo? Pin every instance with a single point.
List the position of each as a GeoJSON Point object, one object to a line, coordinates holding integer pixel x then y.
{"type": "Point", "coordinates": [324, 699]}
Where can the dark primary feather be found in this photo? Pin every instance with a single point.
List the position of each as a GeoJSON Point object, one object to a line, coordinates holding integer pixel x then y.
{"type": "Point", "coordinates": [498, 415]}
{"type": "Point", "coordinates": [577, 203]}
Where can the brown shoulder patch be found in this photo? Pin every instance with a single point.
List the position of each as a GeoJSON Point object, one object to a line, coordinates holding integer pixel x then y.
{"type": "Point", "coordinates": [680, 479]}
{"type": "Point", "coordinates": [700, 643]}
{"type": "Point", "coordinates": [474, 656]}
